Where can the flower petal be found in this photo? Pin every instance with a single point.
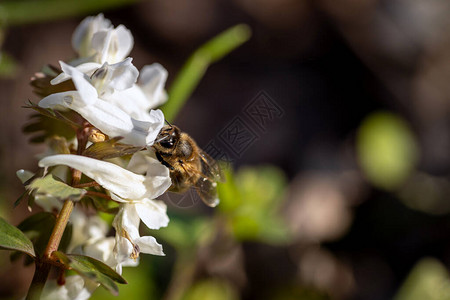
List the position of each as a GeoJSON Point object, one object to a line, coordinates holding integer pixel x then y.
{"type": "Point", "coordinates": [86, 68]}
{"type": "Point", "coordinates": [117, 180]}
{"type": "Point", "coordinates": [125, 42]}
{"type": "Point", "coordinates": [24, 175]}
{"type": "Point", "coordinates": [149, 245]}
{"type": "Point", "coordinates": [157, 176]}
{"type": "Point", "coordinates": [102, 249]}
{"type": "Point", "coordinates": [113, 45]}
{"type": "Point", "coordinates": [88, 93]}
{"type": "Point", "coordinates": [152, 80]}
{"type": "Point", "coordinates": [82, 37]}
{"type": "Point", "coordinates": [127, 219]}
{"type": "Point", "coordinates": [126, 223]}
{"type": "Point", "coordinates": [61, 101]}
{"type": "Point", "coordinates": [138, 162]}
{"type": "Point", "coordinates": [109, 118]}
{"type": "Point", "coordinates": [132, 101]}
{"type": "Point", "coordinates": [157, 179]}
{"type": "Point", "coordinates": [153, 213]}
{"type": "Point", "coordinates": [120, 76]}
{"type": "Point", "coordinates": [75, 288]}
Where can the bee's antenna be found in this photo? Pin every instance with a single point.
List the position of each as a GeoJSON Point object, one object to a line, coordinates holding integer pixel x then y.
{"type": "Point", "coordinates": [168, 123]}
{"type": "Point", "coordinates": [161, 139]}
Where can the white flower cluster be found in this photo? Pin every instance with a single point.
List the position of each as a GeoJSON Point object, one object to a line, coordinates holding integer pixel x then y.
{"type": "Point", "coordinates": [112, 96]}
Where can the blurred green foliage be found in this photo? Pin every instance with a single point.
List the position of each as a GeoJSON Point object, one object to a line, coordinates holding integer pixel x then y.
{"type": "Point", "coordinates": [18, 12]}
{"type": "Point", "coordinates": [8, 66]}
{"type": "Point", "coordinates": [211, 289]}
{"type": "Point", "coordinates": [387, 150]}
{"type": "Point", "coordinates": [251, 201]}
{"type": "Point", "coordinates": [140, 286]}
{"type": "Point", "coordinates": [429, 279]}
{"type": "Point", "coordinates": [295, 292]}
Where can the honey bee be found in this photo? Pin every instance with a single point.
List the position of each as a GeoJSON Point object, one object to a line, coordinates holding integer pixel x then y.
{"type": "Point", "coordinates": [189, 165]}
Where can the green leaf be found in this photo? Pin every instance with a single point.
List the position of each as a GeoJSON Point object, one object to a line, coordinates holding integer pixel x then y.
{"type": "Point", "coordinates": [101, 204]}
{"type": "Point", "coordinates": [21, 197]}
{"type": "Point", "coordinates": [8, 66]}
{"type": "Point", "coordinates": [141, 284]}
{"type": "Point", "coordinates": [41, 82]}
{"type": "Point", "coordinates": [110, 149]}
{"type": "Point", "coordinates": [50, 123]}
{"type": "Point", "coordinates": [251, 201]}
{"type": "Point", "coordinates": [92, 269]}
{"type": "Point", "coordinates": [387, 150]}
{"type": "Point", "coordinates": [212, 289]}
{"type": "Point", "coordinates": [195, 67]}
{"type": "Point", "coordinates": [68, 117]}
{"type": "Point", "coordinates": [184, 235]}
{"type": "Point", "coordinates": [230, 198]}
{"type": "Point", "coordinates": [50, 186]}
{"type": "Point", "coordinates": [428, 279]}
{"type": "Point", "coordinates": [39, 227]}
{"type": "Point", "coordinates": [11, 238]}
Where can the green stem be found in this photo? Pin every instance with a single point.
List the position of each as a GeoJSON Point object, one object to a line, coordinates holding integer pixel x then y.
{"type": "Point", "coordinates": [43, 265]}
{"type": "Point", "coordinates": [58, 230]}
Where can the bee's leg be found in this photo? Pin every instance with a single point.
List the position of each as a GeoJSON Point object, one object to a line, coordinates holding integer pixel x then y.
{"type": "Point", "coordinates": [165, 163]}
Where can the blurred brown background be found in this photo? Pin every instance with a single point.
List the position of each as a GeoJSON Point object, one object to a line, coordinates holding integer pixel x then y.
{"type": "Point", "coordinates": [327, 64]}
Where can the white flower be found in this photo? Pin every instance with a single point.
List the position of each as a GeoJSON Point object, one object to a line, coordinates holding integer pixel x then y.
{"type": "Point", "coordinates": [104, 115]}
{"type": "Point", "coordinates": [96, 40]}
{"type": "Point", "coordinates": [119, 181]}
{"type": "Point", "coordinates": [89, 238]}
{"type": "Point", "coordinates": [129, 243]}
{"type": "Point", "coordinates": [75, 288]}
{"type": "Point", "coordinates": [100, 45]}
{"type": "Point", "coordinates": [85, 230]}
{"type": "Point", "coordinates": [136, 100]}
{"type": "Point", "coordinates": [147, 94]}
{"type": "Point", "coordinates": [135, 192]}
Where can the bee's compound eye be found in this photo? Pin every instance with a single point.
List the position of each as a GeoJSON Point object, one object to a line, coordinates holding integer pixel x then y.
{"type": "Point", "coordinates": [167, 144]}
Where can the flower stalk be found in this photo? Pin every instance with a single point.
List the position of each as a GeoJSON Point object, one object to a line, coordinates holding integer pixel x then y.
{"type": "Point", "coordinates": [44, 264]}
{"type": "Point", "coordinates": [58, 230]}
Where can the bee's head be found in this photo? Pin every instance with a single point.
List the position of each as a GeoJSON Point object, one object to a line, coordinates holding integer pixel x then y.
{"type": "Point", "coordinates": [167, 138]}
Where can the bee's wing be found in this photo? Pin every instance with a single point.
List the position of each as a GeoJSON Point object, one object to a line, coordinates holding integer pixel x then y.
{"type": "Point", "coordinates": [206, 185]}
{"type": "Point", "coordinates": [207, 190]}
{"type": "Point", "coordinates": [210, 168]}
